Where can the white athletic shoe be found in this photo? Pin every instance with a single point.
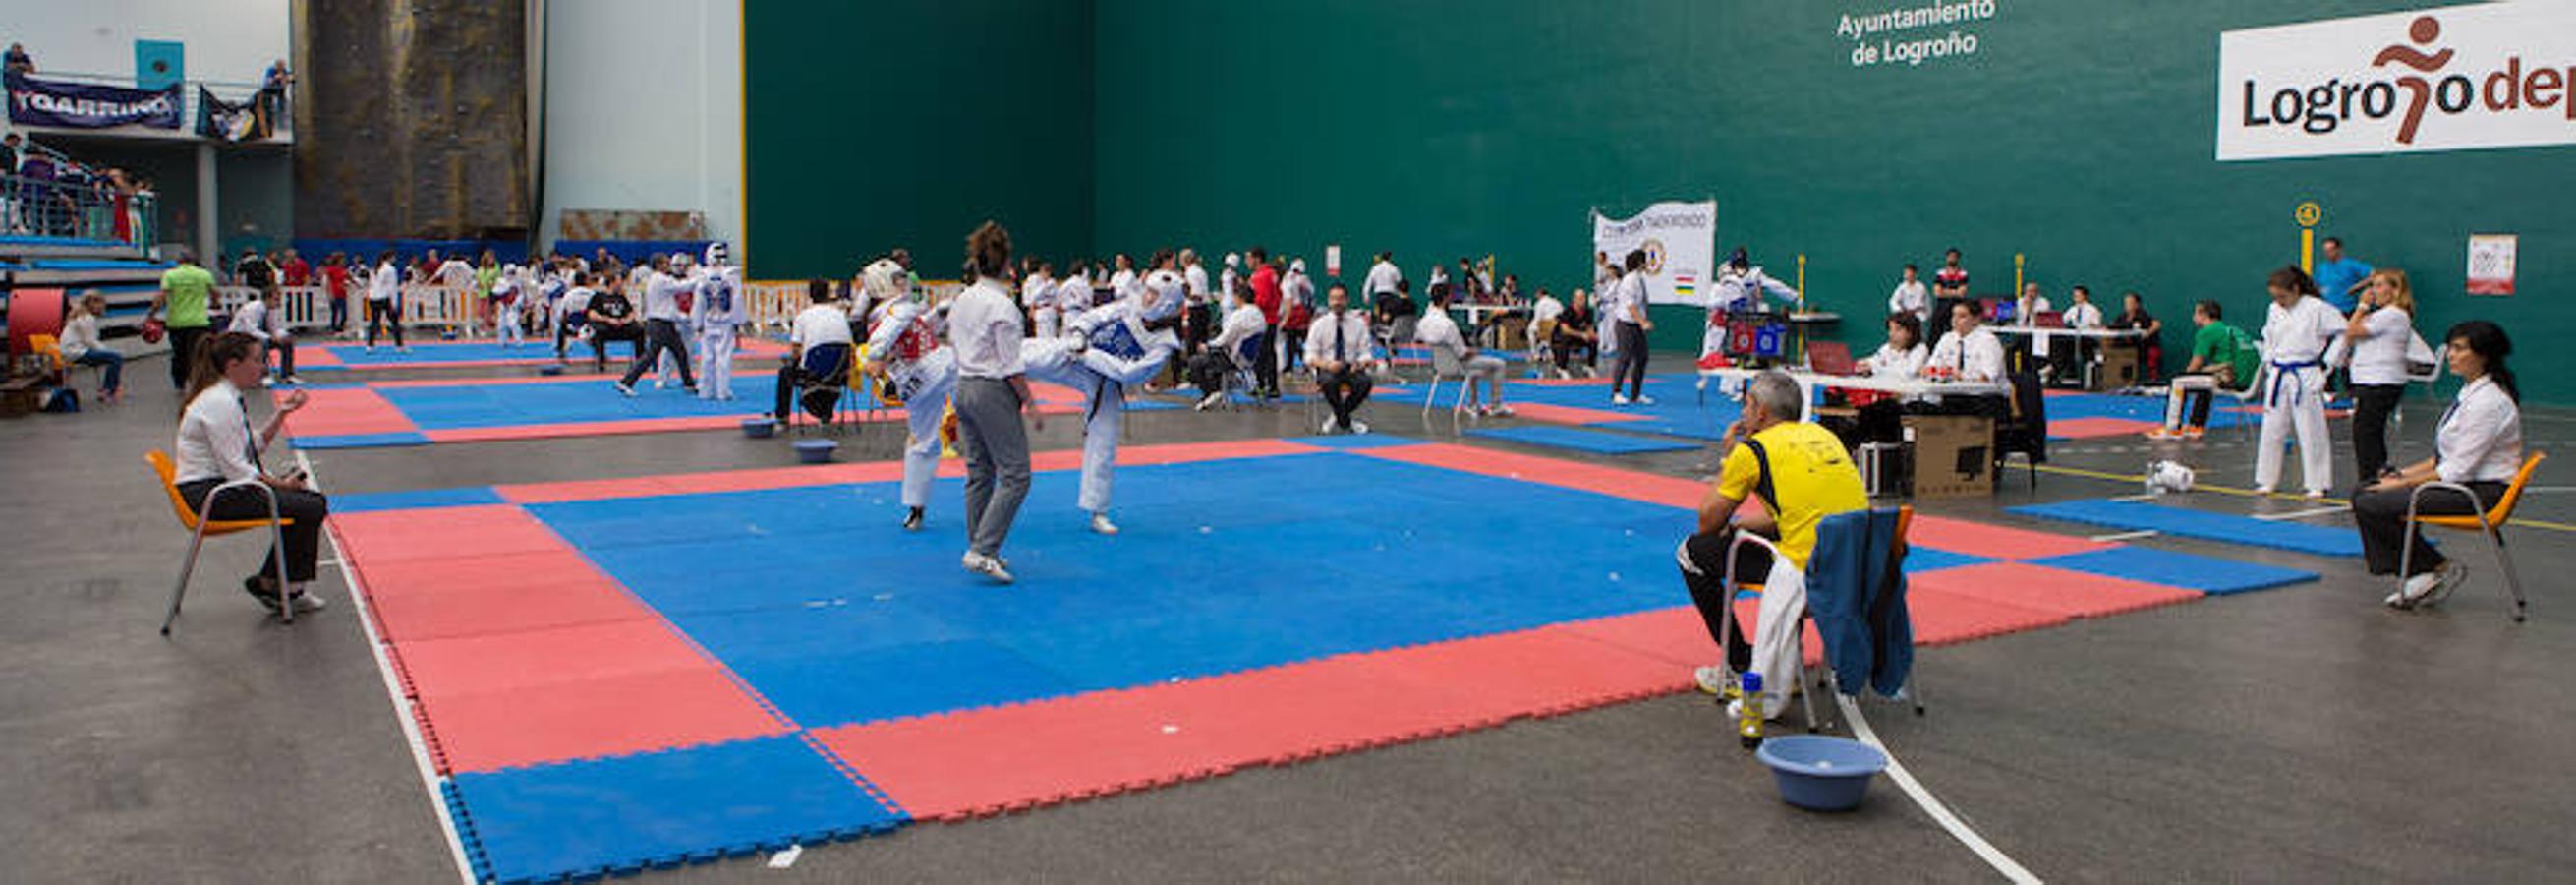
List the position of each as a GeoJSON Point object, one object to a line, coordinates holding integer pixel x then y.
{"type": "Point", "coordinates": [1561, 374]}
{"type": "Point", "coordinates": [2262, 490]}
{"type": "Point", "coordinates": [371, 348]}
{"type": "Point", "coordinates": [1712, 680]}
{"type": "Point", "coordinates": [1329, 424]}
{"type": "Point", "coordinates": [1359, 426]}
{"type": "Point", "coordinates": [1618, 399]}
{"type": "Point", "coordinates": [1644, 400]}
{"type": "Point", "coordinates": [294, 380]}
{"type": "Point", "coordinates": [987, 566]}
{"type": "Point", "coordinates": [307, 602]}
{"type": "Point", "coordinates": [1100, 525]}
{"type": "Point", "coordinates": [624, 388]}
{"type": "Point", "coordinates": [2316, 494]}
{"type": "Point", "coordinates": [1210, 401]}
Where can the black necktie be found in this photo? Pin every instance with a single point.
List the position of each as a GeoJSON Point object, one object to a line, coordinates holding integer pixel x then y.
{"type": "Point", "coordinates": [1338, 354]}
{"type": "Point", "coordinates": [250, 437]}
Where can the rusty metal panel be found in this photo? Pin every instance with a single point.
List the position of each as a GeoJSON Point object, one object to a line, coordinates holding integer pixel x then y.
{"type": "Point", "coordinates": [413, 118]}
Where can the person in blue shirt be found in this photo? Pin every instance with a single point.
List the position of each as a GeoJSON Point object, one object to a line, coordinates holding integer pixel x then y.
{"type": "Point", "coordinates": [2340, 278]}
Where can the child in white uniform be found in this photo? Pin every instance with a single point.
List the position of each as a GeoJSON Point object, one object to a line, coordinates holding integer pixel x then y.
{"type": "Point", "coordinates": [906, 350]}
{"type": "Point", "coordinates": [2297, 332]}
{"type": "Point", "coordinates": [719, 310]}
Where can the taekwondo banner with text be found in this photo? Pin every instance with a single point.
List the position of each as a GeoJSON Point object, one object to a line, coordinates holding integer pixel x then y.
{"type": "Point", "coordinates": [34, 102]}
{"type": "Point", "coordinates": [1680, 242]}
{"type": "Point", "coordinates": [2488, 75]}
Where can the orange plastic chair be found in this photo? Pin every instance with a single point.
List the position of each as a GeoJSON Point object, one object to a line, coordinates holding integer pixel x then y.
{"type": "Point", "coordinates": [199, 529]}
{"type": "Point", "coordinates": [51, 348]}
{"type": "Point", "coordinates": [2489, 523]}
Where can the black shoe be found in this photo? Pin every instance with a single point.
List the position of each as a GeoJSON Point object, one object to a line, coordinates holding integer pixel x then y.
{"type": "Point", "coordinates": [912, 520]}
{"type": "Point", "coordinates": [267, 598]}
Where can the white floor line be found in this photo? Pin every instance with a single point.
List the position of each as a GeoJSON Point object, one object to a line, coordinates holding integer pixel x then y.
{"type": "Point", "coordinates": [1931, 805]}
{"type": "Point", "coordinates": [2144, 496]}
{"type": "Point", "coordinates": [393, 694]}
{"type": "Point", "coordinates": [2124, 536]}
{"type": "Point", "coordinates": [2301, 514]}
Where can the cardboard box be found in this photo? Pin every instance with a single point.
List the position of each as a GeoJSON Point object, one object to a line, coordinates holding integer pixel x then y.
{"type": "Point", "coordinates": [1953, 455]}
{"type": "Point", "coordinates": [2118, 368]}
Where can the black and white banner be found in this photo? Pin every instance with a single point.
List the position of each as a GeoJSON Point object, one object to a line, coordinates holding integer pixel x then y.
{"type": "Point", "coordinates": [34, 102]}
{"type": "Point", "coordinates": [227, 121]}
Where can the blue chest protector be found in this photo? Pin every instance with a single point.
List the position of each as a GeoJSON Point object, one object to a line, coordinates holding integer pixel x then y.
{"type": "Point", "coordinates": [1115, 339]}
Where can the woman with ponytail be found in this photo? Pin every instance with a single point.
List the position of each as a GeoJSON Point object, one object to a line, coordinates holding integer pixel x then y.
{"type": "Point", "coordinates": [2478, 445]}
{"type": "Point", "coordinates": [984, 325]}
{"type": "Point", "coordinates": [217, 445]}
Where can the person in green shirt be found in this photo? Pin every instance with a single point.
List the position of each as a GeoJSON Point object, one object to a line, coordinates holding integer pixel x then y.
{"type": "Point", "coordinates": [487, 271]}
{"type": "Point", "coordinates": [186, 290]}
{"type": "Point", "coordinates": [2221, 356]}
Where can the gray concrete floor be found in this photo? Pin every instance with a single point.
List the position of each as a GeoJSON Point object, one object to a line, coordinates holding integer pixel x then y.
{"type": "Point", "coordinates": [2299, 734]}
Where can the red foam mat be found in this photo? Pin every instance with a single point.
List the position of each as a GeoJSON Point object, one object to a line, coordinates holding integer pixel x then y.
{"type": "Point", "coordinates": [2056, 591]}
{"type": "Point", "coordinates": [346, 411]}
{"type": "Point", "coordinates": [2092, 428]}
{"type": "Point", "coordinates": [1570, 414]}
{"type": "Point", "coordinates": [1994, 541]}
{"type": "Point", "coordinates": [602, 716]}
{"type": "Point", "coordinates": [1629, 484]}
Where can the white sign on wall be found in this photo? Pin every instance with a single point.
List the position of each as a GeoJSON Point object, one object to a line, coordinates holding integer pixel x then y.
{"type": "Point", "coordinates": [1680, 242]}
{"type": "Point", "coordinates": [2488, 75]}
{"type": "Point", "coordinates": [2491, 263]}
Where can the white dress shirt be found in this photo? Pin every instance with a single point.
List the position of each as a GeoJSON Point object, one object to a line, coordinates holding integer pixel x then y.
{"type": "Point", "coordinates": [1347, 331]}
{"type": "Point", "coordinates": [574, 303]}
{"type": "Point", "coordinates": [1628, 300]}
{"type": "Point", "coordinates": [1382, 277]}
{"type": "Point", "coordinates": [2480, 438]}
{"type": "Point", "coordinates": [1981, 358]}
{"type": "Point", "coordinates": [984, 326]}
{"type": "Point", "coordinates": [1890, 362]}
{"type": "Point", "coordinates": [2082, 315]}
{"type": "Point", "coordinates": [662, 296]}
{"type": "Point", "coordinates": [2381, 358]}
{"type": "Point", "coordinates": [254, 318]}
{"type": "Point", "coordinates": [2026, 311]}
{"type": "Point", "coordinates": [1197, 278]}
{"type": "Point", "coordinates": [819, 325]}
{"type": "Point", "coordinates": [1910, 297]}
{"type": "Point", "coordinates": [1437, 331]}
{"type": "Point", "coordinates": [1547, 308]}
{"type": "Point", "coordinates": [386, 284]}
{"type": "Point", "coordinates": [215, 439]}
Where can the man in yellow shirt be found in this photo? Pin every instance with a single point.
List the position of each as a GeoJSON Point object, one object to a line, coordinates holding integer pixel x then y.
{"type": "Point", "coordinates": [1801, 474]}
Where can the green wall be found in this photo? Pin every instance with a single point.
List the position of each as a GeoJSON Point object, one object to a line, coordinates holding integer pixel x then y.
{"type": "Point", "coordinates": [906, 123]}
{"type": "Point", "coordinates": [2079, 134]}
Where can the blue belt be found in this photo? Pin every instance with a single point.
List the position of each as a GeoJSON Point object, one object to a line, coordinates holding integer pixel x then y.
{"type": "Point", "coordinates": [2282, 371]}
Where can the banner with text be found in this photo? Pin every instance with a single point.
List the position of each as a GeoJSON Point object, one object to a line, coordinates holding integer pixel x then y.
{"type": "Point", "coordinates": [2490, 75]}
{"type": "Point", "coordinates": [34, 102]}
{"type": "Point", "coordinates": [1680, 242]}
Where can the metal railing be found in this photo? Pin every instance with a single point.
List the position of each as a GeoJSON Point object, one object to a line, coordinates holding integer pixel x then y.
{"type": "Point", "coordinates": [86, 207]}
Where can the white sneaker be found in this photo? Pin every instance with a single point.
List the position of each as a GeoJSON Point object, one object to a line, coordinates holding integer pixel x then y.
{"type": "Point", "coordinates": [986, 566]}
{"type": "Point", "coordinates": [294, 380]}
{"type": "Point", "coordinates": [1561, 375]}
{"type": "Point", "coordinates": [1713, 680]}
{"type": "Point", "coordinates": [1618, 399]}
{"type": "Point", "coordinates": [1210, 401]}
{"type": "Point", "coordinates": [623, 388]}
{"type": "Point", "coordinates": [2316, 494]}
{"type": "Point", "coordinates": [1359, 426]}
{"type": "Point", "coordinates": [371, 348]}
{"type": "Point", "coordinates": [1499, 411]}
{"type": "Point", "coordinates": [657, 384]}
{"type": "Point", "coordinates": [2446, 579]}
{"type": "Point", "coordinates": [1329, 424]}
{"type": "Point", "coordinates": [1100, 525]}
{"type": "Point", "coordinates": [2262, 490]}
{"type": "Point", "coordinates": [308, 602]}
{"type": "Point", "coordinates": [1645, 400]}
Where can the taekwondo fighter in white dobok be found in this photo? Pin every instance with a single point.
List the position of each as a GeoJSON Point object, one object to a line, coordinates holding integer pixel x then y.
{"type": "Point", "coordinates": [881, 283]}
{"type": "Point", "coordinates": [2296, 334]}
{"type": "Point", "coordinates": [1740, 286]}
{"type": "Point", "coordinates": [1037, 296]}
{"type": "Point", "coordinates": [1112, 346]}
{"type": "Point", "coordinates": [905, 350]}
{"type": "Point", "coordinates": [719, 310]}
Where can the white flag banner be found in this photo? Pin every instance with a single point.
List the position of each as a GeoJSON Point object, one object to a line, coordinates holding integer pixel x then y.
{"type": "Point", "coordinates": [1680, 242]}
{"type": "Point", "coordinates": [2487, 75]}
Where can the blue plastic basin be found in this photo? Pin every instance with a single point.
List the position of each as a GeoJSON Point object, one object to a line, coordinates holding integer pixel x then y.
{"type": "Point", "coordinates": [759, 428]}
{"type": "Point", "coordinates": [1820, 772]}
{"type": "Point", "coordinates": [815, 451]}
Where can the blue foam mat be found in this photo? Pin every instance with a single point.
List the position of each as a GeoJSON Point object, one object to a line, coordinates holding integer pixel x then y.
{"type": "Point", "coordinates": [363, 502]}
{"type": "Point", "coordinates": [631, 813]}
{"type": "Point", "coordinates": [2218, 577]}
{"type": "Point", "coordinates": [1592, 441]}
{"type": "Point", "coordinates": [2186, 523]}
{"type": "Point", "coordinates": [361, 441]}
{"type": "Point", "coordinates": [836, 616]}
{"type": "Point", "coordinates": [1920, 559]}
{"type": "Point", "coordinates": [1354, 441]}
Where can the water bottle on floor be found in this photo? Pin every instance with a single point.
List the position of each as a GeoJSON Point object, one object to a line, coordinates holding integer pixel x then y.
{"type": "Point", "coordinates": [1748, 721]}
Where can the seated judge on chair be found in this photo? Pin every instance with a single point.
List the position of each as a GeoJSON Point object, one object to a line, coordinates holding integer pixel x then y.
{"type": "Point", "coordinates": [1971, 352]}
{"type": "Point", "coordinates": [217, 445]}
{"type": "Point", "coordinates": [1222, 354]}
{"type": "Point", "coordinates": [818, 349]}
{"type": "Point", "coordinates": [1438, 332]}
{"type": "Point", "coordinates": [612, 318]}
{"type": "Point", "coordinates": [1801, 474]}
{"type": "Point", "coordinates": [2478, 445]}
{"type": "Point", "coordinates": [1339, 349]}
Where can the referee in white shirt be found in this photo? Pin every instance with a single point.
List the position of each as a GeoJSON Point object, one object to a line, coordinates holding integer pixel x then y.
{"type": "Point", "coordinates": [992, 392]}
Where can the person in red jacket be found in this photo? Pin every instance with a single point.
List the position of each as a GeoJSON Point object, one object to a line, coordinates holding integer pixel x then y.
{"type": "Point", "coordinates": [1265, 294]}
{"type": "Point", "coordinates": [335, 284]}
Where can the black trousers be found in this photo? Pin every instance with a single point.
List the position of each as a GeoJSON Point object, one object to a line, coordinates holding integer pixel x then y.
{"type": "Point", "coordinates": [821, 400]}
{"type": "Point", "coordinates": [1701, 558]}
{"type": "Point", "coordinates": [600, 336]}
{"type": "Point", "coordinates": [303, 536]}
{"type": "Point", "coordinates": [183, 353]}
{"type": "Point", "coordinates": [284, 346]}
{"type": "Point", "coordinates": [381, 314]}
{"type": "Point", "coordinates": [1294, 346]}
{"type": "Point", "coordinates": [660, 337]}
{"type": "Point", "coordinates": [564, 332]}
{"type": "Point", "coordinates": [1567, 345]}
{"type": "Point", "coordinates": [2381, 516]}
{"type": "Point", "coordinates": [1344, 391]}
{"type": "Point", "coordinates": [2372, 404]}
{"type": "Point", "coordinates": [1630, 370]}
{"type": "Point", "coordinates": [1265, 361]}
{"type": "Point", "coordinates": [1208, 370]}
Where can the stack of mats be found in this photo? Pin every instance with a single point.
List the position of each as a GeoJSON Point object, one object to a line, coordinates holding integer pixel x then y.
{"type": "Point", "coordinates": [622, 674]}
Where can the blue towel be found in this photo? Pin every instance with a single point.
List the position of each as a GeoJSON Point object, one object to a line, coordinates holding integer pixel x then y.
{"type": "Point", "coordinates": [1856, 596]}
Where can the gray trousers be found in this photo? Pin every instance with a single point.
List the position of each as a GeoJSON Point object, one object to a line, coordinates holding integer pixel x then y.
{"type": "Point", "coordinates": [996, 446]}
